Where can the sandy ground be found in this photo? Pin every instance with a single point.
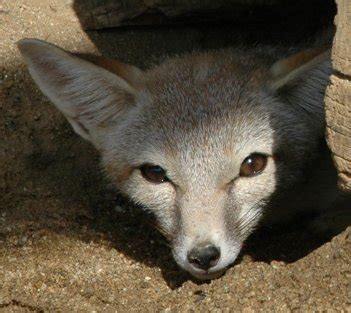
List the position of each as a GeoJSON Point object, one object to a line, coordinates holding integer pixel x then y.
{"type": "Point", "coordinates": [68, 242]}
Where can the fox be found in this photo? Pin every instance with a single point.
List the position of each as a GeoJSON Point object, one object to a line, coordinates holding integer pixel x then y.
{"type": "Point", "coordinates": [214, 144]}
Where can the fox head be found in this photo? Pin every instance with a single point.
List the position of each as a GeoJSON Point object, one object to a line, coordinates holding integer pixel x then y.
{"type": "Point", "coordinates": [203, 141]}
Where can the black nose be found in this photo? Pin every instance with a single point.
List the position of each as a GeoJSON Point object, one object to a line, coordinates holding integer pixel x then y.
{"type": "Point", "coordinates": [204, 256]}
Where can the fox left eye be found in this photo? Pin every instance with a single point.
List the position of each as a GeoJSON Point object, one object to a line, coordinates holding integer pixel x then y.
{"type": "Point", "coordinates": [153, 173]}
{"type": "Point", "coordinates": [254, 164]}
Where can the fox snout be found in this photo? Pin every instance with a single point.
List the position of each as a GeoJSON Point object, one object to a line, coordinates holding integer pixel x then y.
{"type": "Point", "coordinates": [206, 260]}
{"type": "Point", "coordinates": [204, 256]}
{"type": "Point", "coordinates": [204, 250]}
{"type": "Point", "coordinates": [202, 260]}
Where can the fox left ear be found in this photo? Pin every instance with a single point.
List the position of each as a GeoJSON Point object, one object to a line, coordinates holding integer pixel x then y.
{"type": "Point", "coordinates": [301, 79]}
{"type": "Point", "coordinates": [89, 95]}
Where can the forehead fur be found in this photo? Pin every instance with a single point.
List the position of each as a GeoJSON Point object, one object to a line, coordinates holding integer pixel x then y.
{"type": "Point", "coordinates": [206, 94]}
{"type": "Point", "coordinates": [202, 105]}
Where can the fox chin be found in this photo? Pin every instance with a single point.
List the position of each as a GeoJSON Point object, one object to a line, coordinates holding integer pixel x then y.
{"type": "Point", "coordinates": [212, 143]}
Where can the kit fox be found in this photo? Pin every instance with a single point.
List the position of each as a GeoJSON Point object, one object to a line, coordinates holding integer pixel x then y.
{"type": "Point", "coordinates": [212, 143]}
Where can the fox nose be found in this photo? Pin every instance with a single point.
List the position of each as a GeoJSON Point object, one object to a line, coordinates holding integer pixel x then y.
{"type": "Point", "coordinates": [204, 256]}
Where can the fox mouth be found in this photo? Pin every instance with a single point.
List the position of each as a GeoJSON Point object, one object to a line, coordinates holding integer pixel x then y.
{"type": "Point", "coordinates": [201, 274]}
{"type": "Point", "coordinates": [207, 275]}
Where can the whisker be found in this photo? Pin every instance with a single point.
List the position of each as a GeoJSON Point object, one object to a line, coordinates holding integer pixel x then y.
{"type": "Point", "coordinates": [247, 219]}
{"type": "Point", "coordinates": [162, 230]}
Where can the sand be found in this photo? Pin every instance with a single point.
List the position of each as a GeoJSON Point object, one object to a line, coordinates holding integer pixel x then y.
{"type": "Point", "coordinates": [69, 242]}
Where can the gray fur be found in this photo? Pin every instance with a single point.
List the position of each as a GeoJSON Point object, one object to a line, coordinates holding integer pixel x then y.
{"type": "Point", "coordinates": [198, 117]}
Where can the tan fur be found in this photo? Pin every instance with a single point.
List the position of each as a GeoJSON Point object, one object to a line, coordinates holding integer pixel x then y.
{"type": "Point", "coordinates": [120, 176]}
{"type": "Point", "coordinates": [287, 70]}
{"type": "Point", "coordinates": [130, 73]}
{"type": "Point", "coordinates": [293, 62]}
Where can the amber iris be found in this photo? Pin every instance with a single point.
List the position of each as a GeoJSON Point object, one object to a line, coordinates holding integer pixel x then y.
{"type": "Point", "coordinates": [254, 164]}
{"type": "Point", "coordinates": [153, 173]}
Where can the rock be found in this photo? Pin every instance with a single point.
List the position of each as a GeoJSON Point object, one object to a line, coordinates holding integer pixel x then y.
{"type": "Point", "coordinates": [338, 97]}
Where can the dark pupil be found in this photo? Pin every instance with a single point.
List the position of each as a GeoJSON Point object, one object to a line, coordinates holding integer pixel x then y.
{"type": "Point", "coordinates": [153, 173]}
{"type": "Point", "coordinates": [253, 165]}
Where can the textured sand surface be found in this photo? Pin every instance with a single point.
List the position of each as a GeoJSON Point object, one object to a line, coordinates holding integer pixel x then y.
{"type": "Point", "coordinates": [69, 243]}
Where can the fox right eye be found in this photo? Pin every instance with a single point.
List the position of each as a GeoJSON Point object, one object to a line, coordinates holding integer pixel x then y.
{"type": "Point", "coordinates": [254, 164]}
{"type": "Point", "coordinates": [153, 173]}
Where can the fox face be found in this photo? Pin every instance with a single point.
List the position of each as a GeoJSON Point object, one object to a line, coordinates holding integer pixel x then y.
{"type": "Point", "coordinates": [209, 142]}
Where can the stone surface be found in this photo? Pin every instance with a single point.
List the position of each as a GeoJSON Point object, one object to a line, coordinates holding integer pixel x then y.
{"type": "Point", "coordinates": [342, 41]}
{"type": "Point", "coordinates": [99, 14]}
{"type": "Point", "coordinates": [338, 96]}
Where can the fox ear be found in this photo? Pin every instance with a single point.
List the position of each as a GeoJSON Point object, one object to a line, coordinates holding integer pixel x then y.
{"type": "Point", "coordinates": [301, 80]}
{"type": "Point", "coordinates": [88, 95]}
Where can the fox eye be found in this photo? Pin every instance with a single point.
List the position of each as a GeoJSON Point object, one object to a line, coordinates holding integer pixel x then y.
{"type": "Point", "coordinates": [254, 164]}
{"type": "Point", "coordinates": [153, 173]}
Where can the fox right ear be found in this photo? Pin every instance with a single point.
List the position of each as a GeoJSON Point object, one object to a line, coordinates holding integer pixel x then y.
{"type": "Point", "coordinates": [88, 95]}
{"type": "Point", "coordinates": [301, 80]}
